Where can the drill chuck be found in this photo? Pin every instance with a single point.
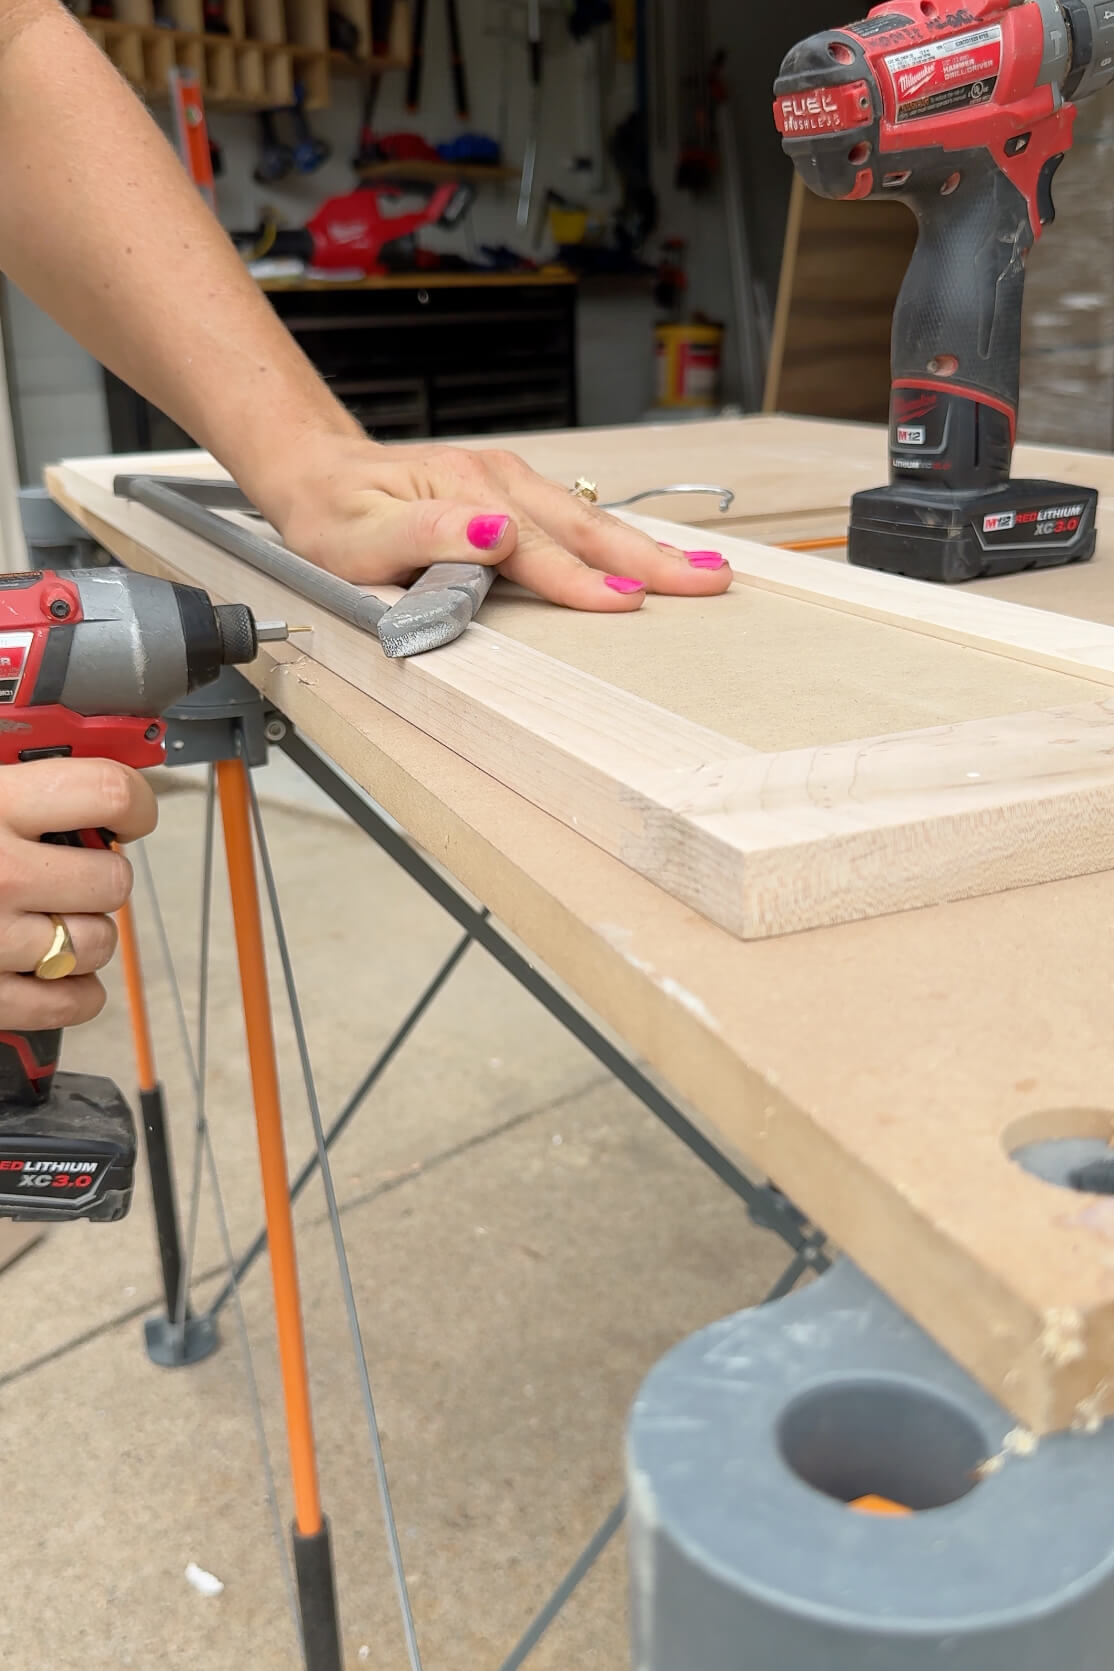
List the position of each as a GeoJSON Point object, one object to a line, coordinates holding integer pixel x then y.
{"type": "Point", "coordinates": [235, 625]}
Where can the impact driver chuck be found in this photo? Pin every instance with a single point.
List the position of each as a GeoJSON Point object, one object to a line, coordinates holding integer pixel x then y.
{"type": "Point", "coordinates": [964, 113]}
{"type": "Point", "coordinates": [89, 659]}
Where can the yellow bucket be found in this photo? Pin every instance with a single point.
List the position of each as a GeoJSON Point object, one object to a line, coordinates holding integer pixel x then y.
{"type": "Point", "coordinates": [688, 364]}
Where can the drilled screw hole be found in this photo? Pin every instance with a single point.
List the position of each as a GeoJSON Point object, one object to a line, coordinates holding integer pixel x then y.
{"type": "Point", "coordinates": [950, 184]}
{"type": "Point", "coordinates": [859, 153]}
{"type": "Point", "coordinates": [840, 53]}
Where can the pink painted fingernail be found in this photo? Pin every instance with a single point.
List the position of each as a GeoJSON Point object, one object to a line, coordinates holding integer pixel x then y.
{"type": "Point", "coordinates": [623, 583]}
{"type": "Point", "coordinates": [485, 532]}
{"type": "Point", "coordinates": [706, 559]}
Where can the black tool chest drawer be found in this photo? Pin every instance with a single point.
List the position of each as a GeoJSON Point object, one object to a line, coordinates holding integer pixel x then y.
{"type": "Point", "coordinates": [413, 360]}
{"type": "Point", "coordinates": [452, 360]}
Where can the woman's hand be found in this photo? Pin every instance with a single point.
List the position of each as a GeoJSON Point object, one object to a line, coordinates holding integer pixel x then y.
{"type": "Point", "coordinates": [79, 884]}
{"type": "Point", "coordinates": [377, 515]}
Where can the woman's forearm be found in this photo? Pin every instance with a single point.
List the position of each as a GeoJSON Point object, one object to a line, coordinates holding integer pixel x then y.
{"type": "Point", "coordinates": [102, 228]}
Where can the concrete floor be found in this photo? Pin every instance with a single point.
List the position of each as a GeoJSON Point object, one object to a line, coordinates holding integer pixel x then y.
{"type": "Point", "coordinates": [525, 1242]}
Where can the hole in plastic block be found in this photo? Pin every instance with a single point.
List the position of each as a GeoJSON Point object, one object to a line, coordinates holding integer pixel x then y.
{"type": "Point", "coordinates": [881, 1437]}
{"type": "Point", "coordinates": [1070, 1147]}
{"type": "Point", "coordinates": [859, 153]}
{"type": "Point", "coordinates": [840, 53]}
{"type": "Point", "coordinates": [950, 184]}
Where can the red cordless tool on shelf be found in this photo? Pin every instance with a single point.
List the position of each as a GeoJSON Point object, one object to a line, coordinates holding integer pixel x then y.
{"type": "Point", "coordinates": [370, 230]}
{"type": "Point", "coordinates": [89, 659]}
{"type": "Point", "coordinates": [965, 114]}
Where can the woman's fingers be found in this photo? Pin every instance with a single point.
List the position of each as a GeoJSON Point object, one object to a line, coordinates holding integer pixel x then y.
{"type": "Point", "coordinates": [552, 520]}
{"type": "Point", "coordinates": [62, 794]}
{"type": "Point", "coordinates": [544, 567]}
{"type": "Point", "coordinates": [603, 542]}
{"type": "Point", "coordinates": [29, 1005]}
{"type": "Point", "coordinates": [29, 937]}
{"type": "Point", "coordinates": [40, 877]}
{"type": "Point", "coordinates": [384, 540]}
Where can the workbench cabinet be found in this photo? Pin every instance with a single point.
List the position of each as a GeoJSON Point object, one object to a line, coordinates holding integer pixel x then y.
{"type": "Point", "coordinates": [450, 355]}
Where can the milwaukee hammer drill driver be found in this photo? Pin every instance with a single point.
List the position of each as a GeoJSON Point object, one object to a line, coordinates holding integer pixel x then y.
{"type": "Point", "coordinates": [88, 661]}
{"type": "Point", "coordinates": [965, 114]}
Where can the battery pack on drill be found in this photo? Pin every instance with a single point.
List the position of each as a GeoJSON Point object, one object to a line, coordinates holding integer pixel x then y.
{"type": "Point", "coordinates": [935, 535]}
{"type": "Point", "coordinates": [72, 1157]}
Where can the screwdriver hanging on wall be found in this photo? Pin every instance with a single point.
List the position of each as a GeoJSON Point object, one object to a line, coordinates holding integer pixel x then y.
{"type": "Point", "coordinates": [456, 52]}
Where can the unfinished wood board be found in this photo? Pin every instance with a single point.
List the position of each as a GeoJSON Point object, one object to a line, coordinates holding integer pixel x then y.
{"type": "Point", "coordinates": [842, 268]}
{"type": "Point", "coordinates": [876, 1072]}
{"type": "Point", "coordinates": [778, 672]}
{"type": "Point", "coordinates": [763, 843]}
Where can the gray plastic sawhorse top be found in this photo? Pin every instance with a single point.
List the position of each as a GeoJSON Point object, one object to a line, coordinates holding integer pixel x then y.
{"type": "Point", "coordinates": [745, 1446]}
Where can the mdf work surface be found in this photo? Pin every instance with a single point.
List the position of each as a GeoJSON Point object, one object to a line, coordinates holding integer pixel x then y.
{"type": "Point", "coordinates": [880, 1072]}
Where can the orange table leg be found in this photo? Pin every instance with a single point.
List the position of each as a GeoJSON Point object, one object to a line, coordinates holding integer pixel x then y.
{"type": "Point", "coordinates": [313, 1561]}
{"type": "Point", "coordinates": [232, 788]}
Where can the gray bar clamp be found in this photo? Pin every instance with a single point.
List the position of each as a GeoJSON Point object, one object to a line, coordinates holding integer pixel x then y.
{"type": "Point", "coordinates": [749, 1440]}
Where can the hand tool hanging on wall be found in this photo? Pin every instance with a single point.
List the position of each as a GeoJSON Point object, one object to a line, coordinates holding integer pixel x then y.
{"type": "Point", "coordinates": [196, 150]}
{"type": "Point", "coordinates": [310, 152]}
{"type": "Point", "coordinates": [587, 22]}
{"type": "Point", "coordinates": [965, 116]}
{"type": "Point", "coordinates": [417, 58]}
{"type": "Point", "coordinates": [530, 154]}
{"type": "Point", "coordinates": [456, 55]}
{"type": "Point", "coordinates": [697, 160]}
{"type": "Point", "coordinates": [275, 160]}
{"type": "Point", "coordinates": [382, 17]}
{"type": "Point", "coordinates": [91, 658]}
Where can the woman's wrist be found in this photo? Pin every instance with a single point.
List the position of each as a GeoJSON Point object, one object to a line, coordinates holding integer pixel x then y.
{"type": "Point", "coordinates": [293, 461]}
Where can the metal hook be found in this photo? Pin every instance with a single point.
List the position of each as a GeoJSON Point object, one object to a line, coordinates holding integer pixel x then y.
{"type": "Point", "coordinates": [725, 495]}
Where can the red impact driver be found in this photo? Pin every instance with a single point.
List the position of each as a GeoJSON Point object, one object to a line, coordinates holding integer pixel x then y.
{"type": "Point", "coordinates": [964, 114]}
{"type": "Point", "coordinates": [89, 659]}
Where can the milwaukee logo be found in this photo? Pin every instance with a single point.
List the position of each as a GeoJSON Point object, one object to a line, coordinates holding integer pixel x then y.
{"type": "Point", "coordinates": [346, 231]}
{"type": "Point", "coordinates": [998, 523]}
{"type": "Point", "coordinates": [911, 80]}
{"type": "Point", "coordinates": [914, 406]}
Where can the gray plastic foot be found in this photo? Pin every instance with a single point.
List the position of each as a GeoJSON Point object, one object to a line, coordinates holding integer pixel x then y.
{"type": "Point", "coordinates": [748, 1442]}
{"type": "Point", "coordinates": [172, 1347]}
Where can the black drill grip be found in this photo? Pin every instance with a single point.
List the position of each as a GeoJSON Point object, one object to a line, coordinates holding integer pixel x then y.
{"type": "Point", "coordinates": [958, 316]}
{"type": "Point", "coordinates": [27, 1064]}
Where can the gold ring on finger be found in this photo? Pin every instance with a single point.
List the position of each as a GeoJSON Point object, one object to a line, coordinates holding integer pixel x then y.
{"type": "Point", "coordinates": [59, 959]}
{"type": "Point", "coordinates": [584, 489]}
